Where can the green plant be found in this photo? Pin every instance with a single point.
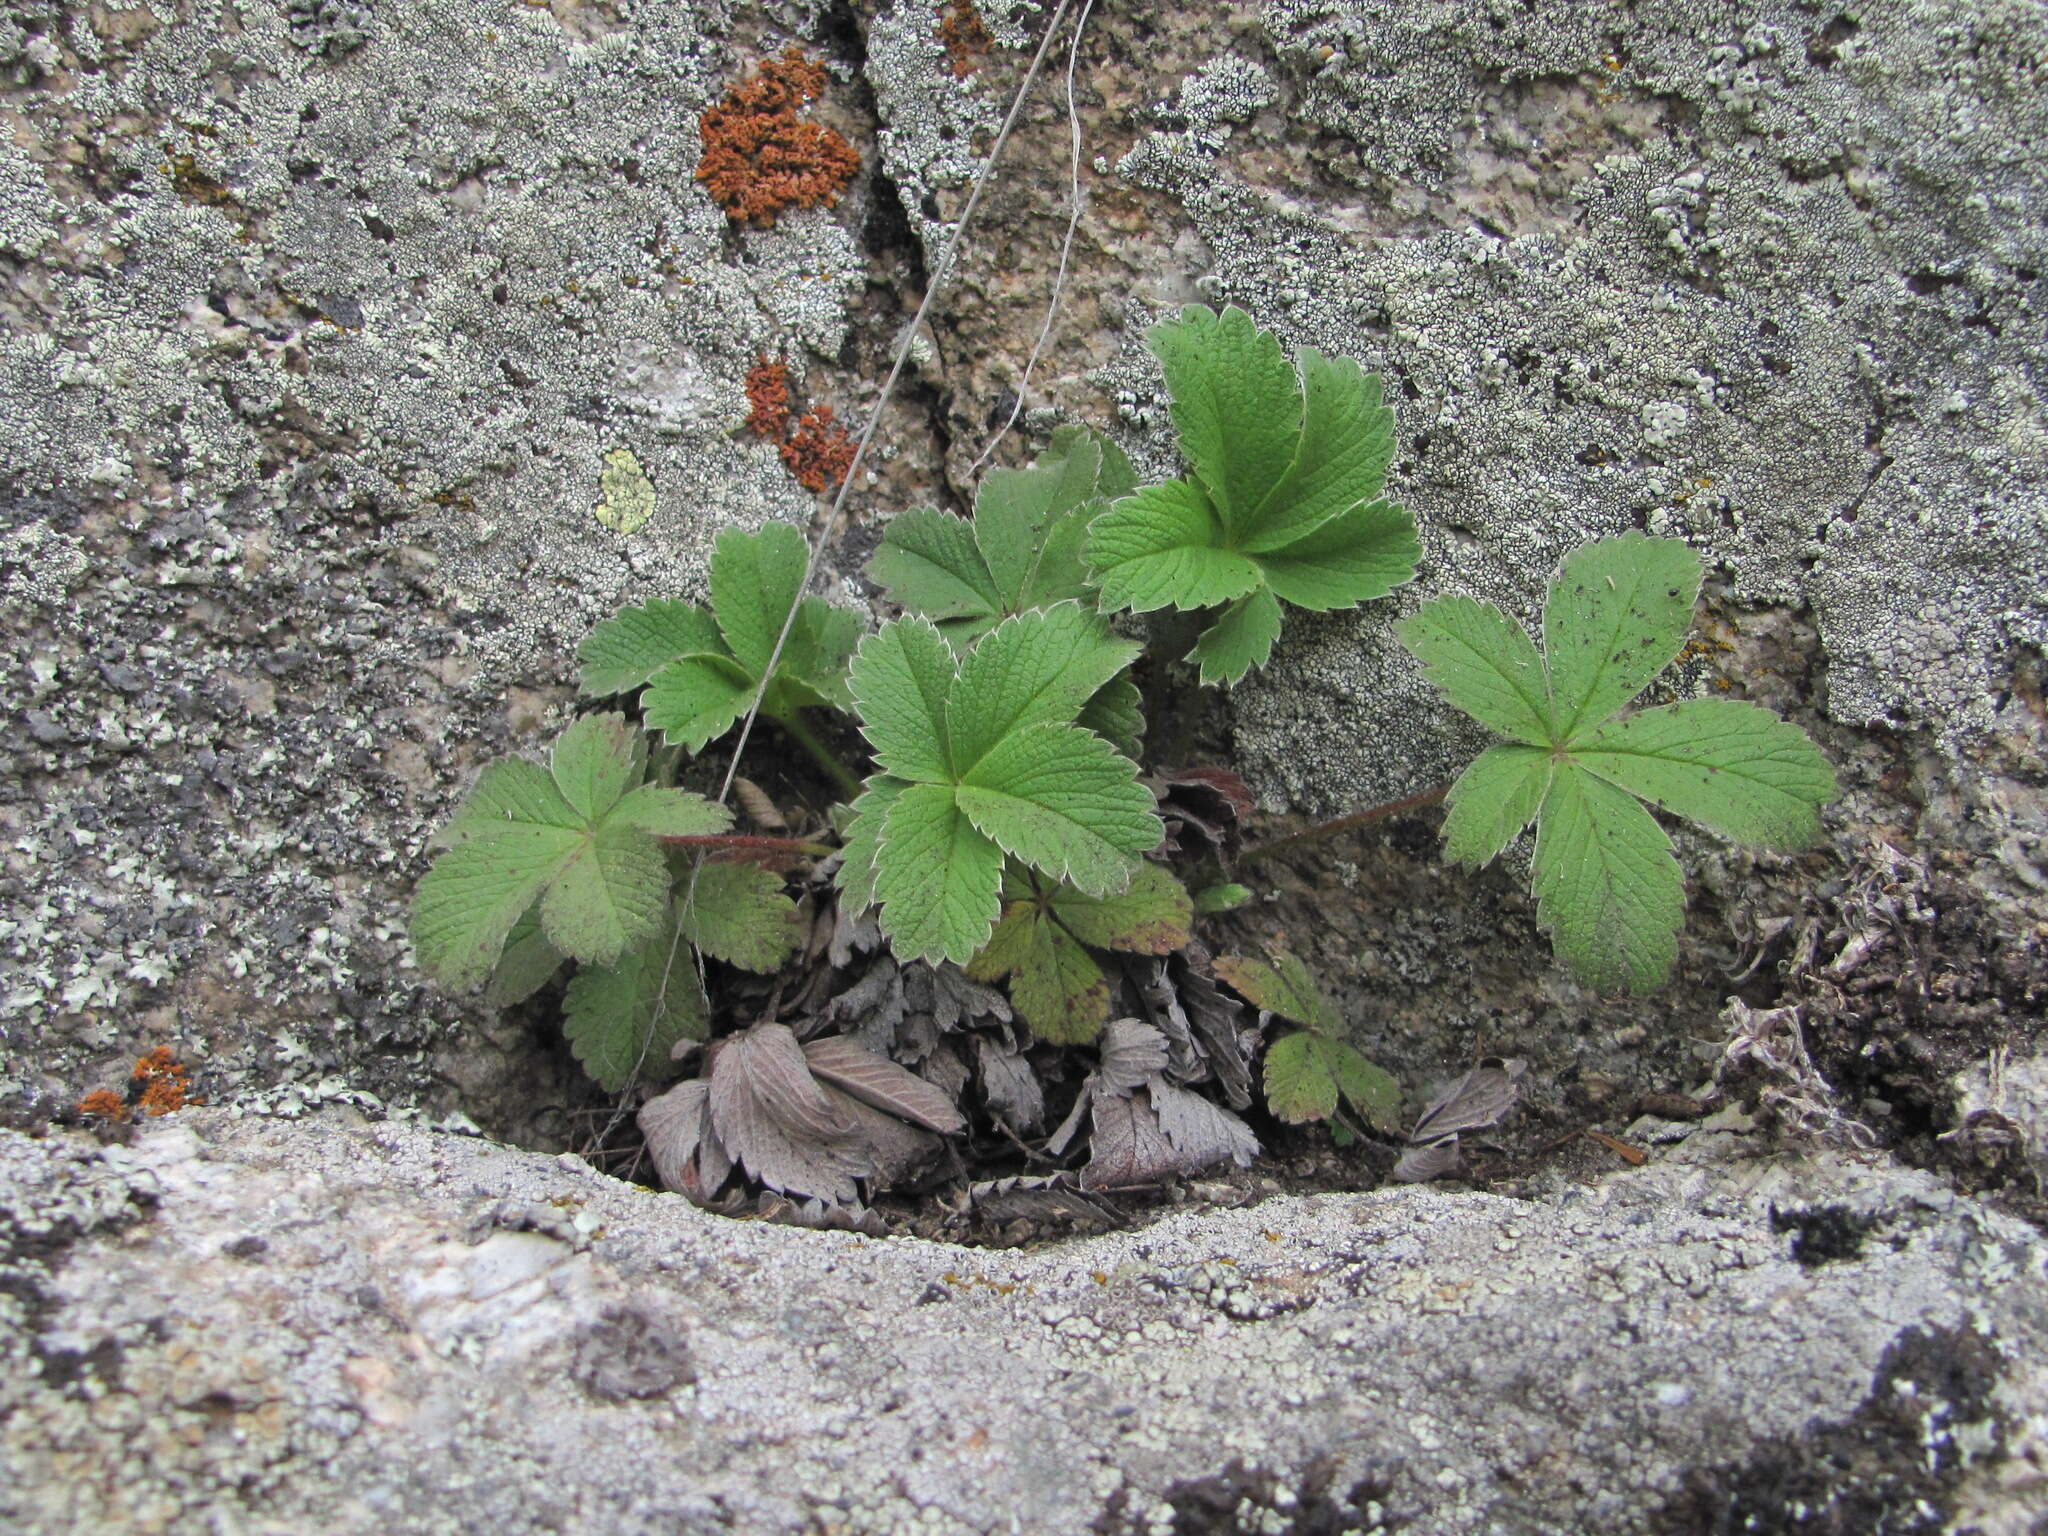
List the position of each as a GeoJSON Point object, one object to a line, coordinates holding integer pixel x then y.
{"type": "Point", "coordinates": [703, 668]}
{"type": "Point", "coordinates": [574, 847]}
{"type": "Point", "coordinates": [981, 758]}
{"type": "Point", "coordinates": [1308, 1071]}
{"type": "Point", "coordinates": [1042, 945]}
{"type": "Point", "coordinates": [1607, 884]}
{"type": "Point", "coordinates": [999, 896]}
{"type": "Point", "coordinates": [1022, 550]}
{"type": "Point", "coordinates": [1282, 500]}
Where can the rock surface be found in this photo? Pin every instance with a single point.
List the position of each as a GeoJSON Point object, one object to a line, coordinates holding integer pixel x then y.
{"type": "Point", "coordinates": [270, 1327]}
{"type": "Point", "coordinates": [321, 324]}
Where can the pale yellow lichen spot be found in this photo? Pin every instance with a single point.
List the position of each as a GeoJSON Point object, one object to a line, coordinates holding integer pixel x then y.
{"type": "Point", "coordinates": [628, 495]}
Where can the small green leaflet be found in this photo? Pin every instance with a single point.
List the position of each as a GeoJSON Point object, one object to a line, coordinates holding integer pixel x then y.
{"type": "Point", "coordinates": [1607, 885]}
{"type": "Point", "coordinates": [982, 758]}
{"type": "Point", "coordinates": [1046, 931]}
{"type": "Point", "coordinates": [1021, 551]}
{"type": "Point", "coordinates": [1282, 503]}
{"type": "Point", "coordinates": [1308, 1071]}
{"type": "Point", "coordinates": [701, 667]}
{"type": "Point", "coordinates": [577, 837]}
{"type": "Point", "coordinates": [623, 1020]}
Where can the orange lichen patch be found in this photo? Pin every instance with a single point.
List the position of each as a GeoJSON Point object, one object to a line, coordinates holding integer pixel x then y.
{"type": "Point", "coordinates": [966, 40]}
{"type": "Point", "coordinates": [760, 157]}
{"type": "Point", "coordinates": [104, 1104]}
{"type": "Point", "coordinates": [768, 408]}
{"type": "Point", "coordinates": [820, 452]}
{"type": "Point", "coordinates": [164, 1089]}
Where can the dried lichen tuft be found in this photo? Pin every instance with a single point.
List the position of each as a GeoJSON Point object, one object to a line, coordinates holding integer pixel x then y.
{"type": "Point", "coordinates": [964, 37]}
{"type": "Point", "coordinates": [104, 1104]}
{"type": "Point", "coordinates": [164, 1089]}
{"type": "Point", "coordinates": [760, 157]}
{"type": "Point", "coordinates": [768, 407]}
{"type": "Point", "coordinates": [819, 452]}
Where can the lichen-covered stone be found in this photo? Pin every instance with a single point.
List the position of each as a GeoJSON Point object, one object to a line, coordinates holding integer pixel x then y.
{"type": "Point", "coordinates": [352, 1328]}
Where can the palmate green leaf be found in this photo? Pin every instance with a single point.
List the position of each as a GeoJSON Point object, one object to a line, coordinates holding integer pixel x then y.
{"type": "Point", "coordinates": [702, 668]}
{"type": "Point", "coordinates": [627, 649]}
{"type": "Point", "coordinates": [1150, 916]}
{"type": "Point", "coordinates": [1284, 987]}
{"type": "Point", "coordinates": [623, 1020]}
{"type": "Point", "coordinates": [1009, 773]}
{"type": "Point", "coordinates": [1064, 801]}
{"type": "Point", "coordinates": [900, 678]}
{"type": "Point", "coordinates": [696, 699]}
{"type": "Point", "coordinates": [1026, 674]}
{"type": "Point", "coordinates": [1021, 551]}
{"type": "Point", "coordinates": [528, 964]}
{"type": "Point", "coordinates": [936, 876]}
{"type": "Point", "coordinates": [1282, 504]}
{"type": "Point", "coordinates": [863, 840]}
{"type": "Point", "coordinates": [1057, 986]}
{"type": "Point", "coordinates": [573, 838]}
{"type": "Point", "coordinates": [1117, 715]}
{"type": "Point", "coordinates": [1165, 547]}
{"type": "Point", "coordinates": [1485, 664]}
{"type": "Point", "coordinates": [1306, 1074]}
{"type": "Point", "coordinates": [738, 913]}
{"type": "Point", "coordinates": [1727, 765]}
{"type": "Point", "coordinates": [1606, 883]}
{"type": "Point", "coordinates": [1616, 615]}
{"type": "Point", "coordinates": [755, 581]}
{"type": "Point", "coordinates": [1240, 640]}
{"type": "Point", "coordinates": [1236, 404]}
{"type": "Point", "coordinates": [1496, 796]}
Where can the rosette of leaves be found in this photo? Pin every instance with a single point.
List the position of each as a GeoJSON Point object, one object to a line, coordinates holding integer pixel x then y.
{"type": "Point", "coordinates": [1021, 550]}
{"type": "Point", "coordinates": [1286, 460]}
{"type": "Point", "coordinates": [1047, 929]}
{"type": "Point", "coordinates": [701, 667]}
{"type": "Point", "coordinates": [565, 860]}
{"type": "Point", "coordinates": [1310, 1070]}
{"type": "Point", "coordinates": [1607, 884]}
{"type": "Point", "coordinates": [981, 759]}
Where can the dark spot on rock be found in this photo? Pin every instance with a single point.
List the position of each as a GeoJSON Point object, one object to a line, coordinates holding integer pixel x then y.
{"type": "Point", "coordinates": [628, 1354]}
{"type": "Point", "coordinates": [247, 1246]}
{"type": "Point", "coordinates": [1892, 1466]}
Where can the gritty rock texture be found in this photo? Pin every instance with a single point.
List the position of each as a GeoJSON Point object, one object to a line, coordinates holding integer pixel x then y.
{"type": "Point", "coordinates": [365, 1328]}
{"type": "Point", "coordinates": [317, 329]}
{"type": "Point", "coordinates": [321, 325]}
{"type": "Point", "coordinates": [1756, 275]}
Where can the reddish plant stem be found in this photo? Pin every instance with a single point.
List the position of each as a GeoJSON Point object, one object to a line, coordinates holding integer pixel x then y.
{"type": "Point", "coordinates": [1346, 823]}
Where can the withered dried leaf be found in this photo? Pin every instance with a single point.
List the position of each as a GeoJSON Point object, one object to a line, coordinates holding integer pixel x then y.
{"type": "Point", "coordinates": [945, 1068]}
{"type": "Point", "coordinates": [1200, 805]}
{"type": "Point", "coordinates": [1009, 1086]}
{"type": "Point", "coordinates": [777, 1122]}
{"type": "Point", "coordinates": [1126, 1146]}
{"type": "Point", "coordinates": [879, 1082]}
{"type": "Point", "coordinates": [1133, 1052]}
{"type": "Point", "coordinates": [1203, 1133]}
{"type": "Point", "coordinates": [686, 1151]}
{"type": "Point", "coordinates": [958, 1003]}
{"type": "Point", "coordinates": [1154, 984]}
{"type": "Point", "coordinates": [1475, 1102]}
{"type": "Point", "coordinates": [759, 808]}
{"type": "Point", "coordinates": [1218, 1023]}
